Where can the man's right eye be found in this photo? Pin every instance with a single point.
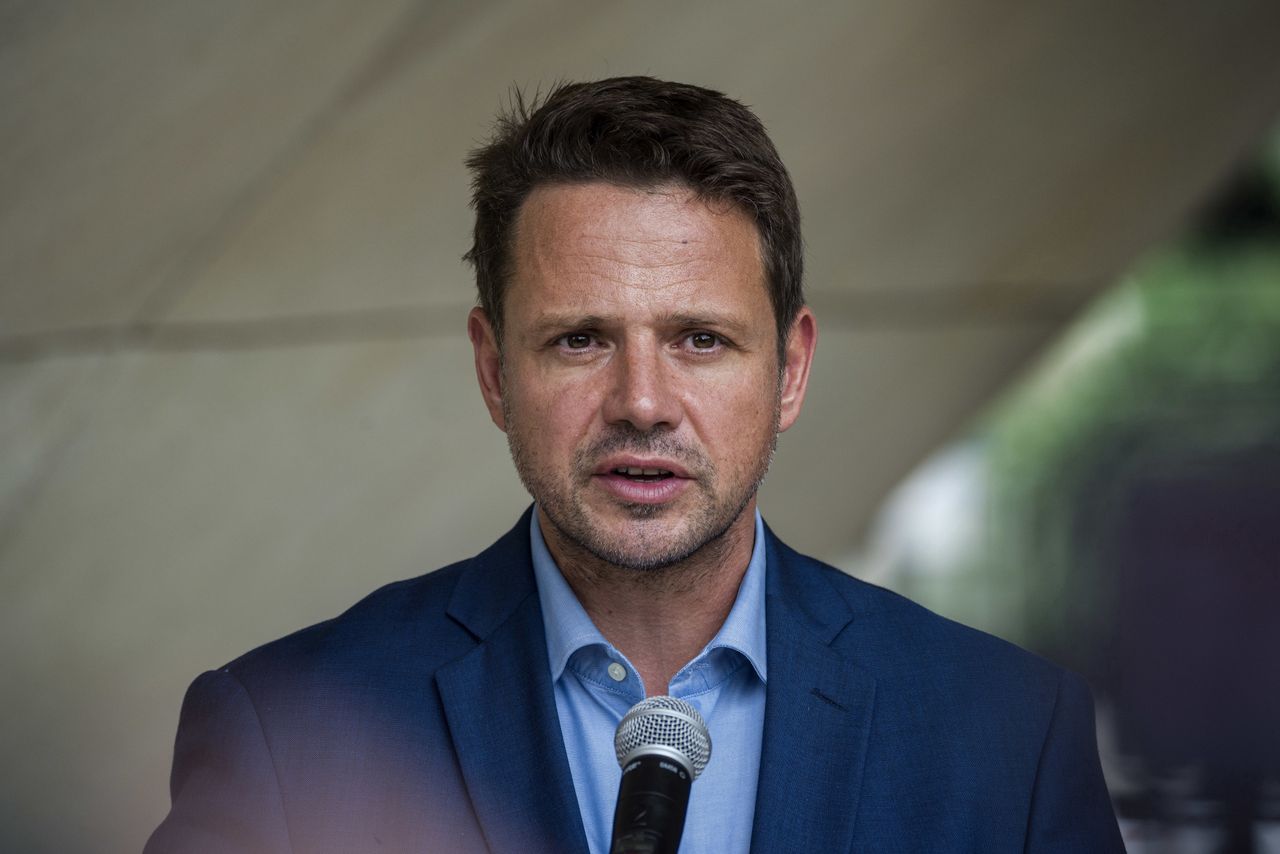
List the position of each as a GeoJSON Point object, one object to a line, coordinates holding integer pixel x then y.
{"type": "Point", "coordinates": [577, 341]}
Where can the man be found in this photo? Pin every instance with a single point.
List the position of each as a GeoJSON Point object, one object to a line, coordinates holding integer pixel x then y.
{"type": "Point", "coordinates": [641, 338]}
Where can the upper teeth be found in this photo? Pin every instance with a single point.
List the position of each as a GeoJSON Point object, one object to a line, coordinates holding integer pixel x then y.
{"type": "Point", "coordinates": [633, 471]}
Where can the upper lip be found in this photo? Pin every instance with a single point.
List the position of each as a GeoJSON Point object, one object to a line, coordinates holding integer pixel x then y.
{"type": "Point", "coordinates": [608, 466]}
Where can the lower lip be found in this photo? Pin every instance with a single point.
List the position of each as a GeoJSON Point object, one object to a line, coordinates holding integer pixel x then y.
{"type": "Point", "coordinates": [643, 491]}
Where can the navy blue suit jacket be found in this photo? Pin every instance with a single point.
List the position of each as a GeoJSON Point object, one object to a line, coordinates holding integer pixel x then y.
{"type": "Point", "coordinates": [423, 719]}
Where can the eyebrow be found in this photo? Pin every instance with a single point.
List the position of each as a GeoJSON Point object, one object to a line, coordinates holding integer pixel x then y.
{"type": "Point", "coordinates": [712, 321]}
{"type": "Point", "coordinates": [549, 323]}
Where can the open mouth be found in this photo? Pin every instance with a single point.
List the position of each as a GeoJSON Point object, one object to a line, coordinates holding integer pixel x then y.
{"type": "Point", "coordinates": [642, 475]}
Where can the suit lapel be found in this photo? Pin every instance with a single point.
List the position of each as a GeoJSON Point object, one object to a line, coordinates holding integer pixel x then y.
{"type": "Point", "coordinates": [818, 711]}
{"type": "Point", "coordinates": [500, 707]}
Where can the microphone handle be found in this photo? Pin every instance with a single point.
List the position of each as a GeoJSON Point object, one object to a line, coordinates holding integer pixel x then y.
{"type": "Point", "coordinates": [652, 801]}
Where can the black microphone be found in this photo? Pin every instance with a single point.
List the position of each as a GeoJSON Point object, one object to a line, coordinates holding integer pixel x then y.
{"type": "Point", "coordinates": [662, 746]}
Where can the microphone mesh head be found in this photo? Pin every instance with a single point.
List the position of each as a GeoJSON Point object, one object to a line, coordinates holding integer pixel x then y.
{"type": "Point", "coordinates": [664, 722]}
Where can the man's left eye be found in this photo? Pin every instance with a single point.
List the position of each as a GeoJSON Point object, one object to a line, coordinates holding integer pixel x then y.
{"type": "Point", "coordinates": [703, 340]}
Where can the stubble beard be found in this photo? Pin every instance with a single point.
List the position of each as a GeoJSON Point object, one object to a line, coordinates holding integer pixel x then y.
{"type": "Point", "coordinates": [644, 548]}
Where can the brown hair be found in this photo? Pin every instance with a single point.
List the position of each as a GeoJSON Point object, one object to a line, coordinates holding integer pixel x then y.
{"type": "Point", "coordinates": [643, 132]}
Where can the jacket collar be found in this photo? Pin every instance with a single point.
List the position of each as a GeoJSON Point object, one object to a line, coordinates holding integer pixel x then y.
{"type": "Point", "coordinates": [818, 711]}
{"type": "Point", "coordinates": [495, 583]}
{"type": "Point", "coordinates": [501, 711]}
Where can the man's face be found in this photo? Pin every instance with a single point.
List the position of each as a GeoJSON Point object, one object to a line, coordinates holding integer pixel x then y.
{"type": "Point", "coordinates": [639, 384]}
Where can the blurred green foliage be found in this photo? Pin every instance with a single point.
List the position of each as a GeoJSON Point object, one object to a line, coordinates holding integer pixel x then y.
{"type": "Point", "coordinates": [1175, 369]}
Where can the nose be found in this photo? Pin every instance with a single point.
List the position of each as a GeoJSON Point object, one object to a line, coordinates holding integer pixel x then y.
{"type": "Point", "coordinates": [642, 390]}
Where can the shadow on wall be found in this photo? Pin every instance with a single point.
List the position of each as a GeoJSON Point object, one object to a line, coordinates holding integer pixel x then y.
{"type": "Point", "coordinates": [1119, 512]}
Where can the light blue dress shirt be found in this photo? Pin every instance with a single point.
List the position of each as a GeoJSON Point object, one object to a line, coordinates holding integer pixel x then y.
{"type": "Point", "coordinates": [595, 685]}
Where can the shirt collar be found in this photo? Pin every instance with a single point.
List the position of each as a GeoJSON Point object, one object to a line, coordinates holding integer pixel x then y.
{"type": "Point", "coordinates": [569, 628]}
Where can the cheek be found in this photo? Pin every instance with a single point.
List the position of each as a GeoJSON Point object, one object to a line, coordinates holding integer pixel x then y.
{"type": "Point", "coordinates": [547, 411]}
{"type": "Point", "coordinates": [739, 410]}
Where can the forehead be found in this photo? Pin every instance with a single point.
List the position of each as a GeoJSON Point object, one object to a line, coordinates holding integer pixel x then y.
{"type": "Point", "coordinates": [597, 241]}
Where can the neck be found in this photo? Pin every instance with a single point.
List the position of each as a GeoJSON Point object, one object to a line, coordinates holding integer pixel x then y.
{"type": "Point", "coordinates": [659, 619]}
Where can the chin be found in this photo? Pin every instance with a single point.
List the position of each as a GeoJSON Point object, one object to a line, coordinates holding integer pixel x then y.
{"type": "Point", "coordinates": [641, 560]}
{"type": "Point", "coordinates": [653, 548]}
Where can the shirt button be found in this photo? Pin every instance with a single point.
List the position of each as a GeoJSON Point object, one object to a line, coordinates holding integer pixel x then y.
{"type": "Point", "coordinates": [617, 672]}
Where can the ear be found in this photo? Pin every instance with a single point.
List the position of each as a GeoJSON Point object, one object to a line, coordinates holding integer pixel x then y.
{"type": "Point", "coordinates": [798, 357]}
{"type": "Point", "coordinates": [488, 363]}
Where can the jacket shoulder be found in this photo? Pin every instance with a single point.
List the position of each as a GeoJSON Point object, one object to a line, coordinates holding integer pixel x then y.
{"type": "Point", "coordinates": [413, 625]}
{"type": "Point", "coordinates": [898, 639]}
{"type": "Point", "coordinates": [402, 625]}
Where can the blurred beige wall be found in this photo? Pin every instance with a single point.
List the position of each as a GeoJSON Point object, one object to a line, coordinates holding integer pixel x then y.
{"type": "Point", "coordinates": [235, 389]}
